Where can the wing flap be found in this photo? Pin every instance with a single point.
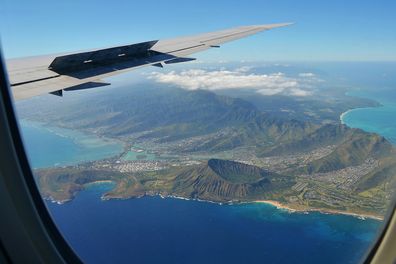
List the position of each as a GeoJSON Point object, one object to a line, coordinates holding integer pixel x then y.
{"type": "Point", "coordinates": [68, 64]}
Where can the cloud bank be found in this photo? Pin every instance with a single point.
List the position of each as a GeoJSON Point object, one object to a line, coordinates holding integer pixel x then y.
{"type": "Point", "coordinates": [266, 84]}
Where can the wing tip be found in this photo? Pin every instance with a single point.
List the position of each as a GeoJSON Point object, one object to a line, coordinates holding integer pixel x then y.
{"type": "Point", "coordinates": [268, 26]}
{"type": "Point", "coordinates": [278, 25]}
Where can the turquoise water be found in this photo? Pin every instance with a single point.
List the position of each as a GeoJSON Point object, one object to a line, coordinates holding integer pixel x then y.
{"type": "Point", "coordinates": [133, 155]}
{"type": "Point", "coordinates": [53, 146]}
{"type": "Point", "coordinates": [381, 120]}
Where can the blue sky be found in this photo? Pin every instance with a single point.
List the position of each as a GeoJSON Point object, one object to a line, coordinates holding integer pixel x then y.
{"type": "Point", "coordinates": [324, 30]}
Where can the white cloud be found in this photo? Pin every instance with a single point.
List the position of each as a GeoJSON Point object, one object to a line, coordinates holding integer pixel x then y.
{"type": "Point", "coordinates": [266, 84]}
{"type": "Point", "coordinates": [299, 92]}
{"type": "Point", "coordinates": [244, 69]}
{"type": "Point", "coordinates": [306, 74]}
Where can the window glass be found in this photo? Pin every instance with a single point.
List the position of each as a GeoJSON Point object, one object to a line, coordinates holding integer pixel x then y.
{"type": "Point", "coordinates": [276, 148]}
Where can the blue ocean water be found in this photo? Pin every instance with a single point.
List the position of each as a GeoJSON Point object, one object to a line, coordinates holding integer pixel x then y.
{"type": "Point", "coordinates": [380, 120]}
{"type": "Point", "coordinates": [156, 230]}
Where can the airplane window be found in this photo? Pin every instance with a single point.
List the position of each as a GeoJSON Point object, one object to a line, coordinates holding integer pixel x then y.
{"type": "Point", "coordinates": [162, 147]}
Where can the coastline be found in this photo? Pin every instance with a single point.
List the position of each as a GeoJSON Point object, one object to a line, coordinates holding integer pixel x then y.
{"type": "Point", "coordinates": [304, 209]}
{"type": "Point", "coordinates": [352, 110]}
{"type": "Point", "coordinates": [379, 104]}
{"type": "Point", "coordinates": [277, 204]}
{"type": "Point", "coordinates": [343, 115]}
{"type": "Point", "coordinates": [99, 182]}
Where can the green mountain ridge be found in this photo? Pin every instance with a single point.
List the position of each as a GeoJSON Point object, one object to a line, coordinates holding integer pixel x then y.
{"type": "Point", "coordinates": [352, 152]}
{"type": "Point", "coordinates": [170, 115]}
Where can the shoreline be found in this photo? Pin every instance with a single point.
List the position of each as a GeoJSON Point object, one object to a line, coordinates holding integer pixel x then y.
{"type": "Point", "coordinates": [351, 110]}
{"type": "Point", "coordinates": [277, 204]}
{"type": "Point", "coordinates": [342, 116]}
{"type": "Point", "coordinates": [292, 209]}
{"type": "Point", "coordinates": [347, 93]}
{"type": "Point", "coordinates": [98, 182]}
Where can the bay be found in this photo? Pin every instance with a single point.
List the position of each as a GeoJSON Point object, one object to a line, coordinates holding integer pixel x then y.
{"type": "Point", "coordinates": [379, 120]}
{"type": "Point", "coordinates": [49, 146]}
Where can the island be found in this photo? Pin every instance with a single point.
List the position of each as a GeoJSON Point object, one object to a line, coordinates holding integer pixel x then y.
{"type": "Point", "coordinates": [205, 146]}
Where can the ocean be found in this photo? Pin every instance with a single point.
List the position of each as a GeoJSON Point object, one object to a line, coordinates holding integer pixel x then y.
{"type": "Point", "coordinates": [381, 119]}
{"type": "Point", "coordinates": [153, 230]}
{"type": "Point", "coordinates": [157, 230]}
{"type": "Point", "coordinates": [48, 146]}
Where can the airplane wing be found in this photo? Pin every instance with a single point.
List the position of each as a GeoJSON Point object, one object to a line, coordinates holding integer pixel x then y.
{"type": "Point", "coordinates": [73, 71]}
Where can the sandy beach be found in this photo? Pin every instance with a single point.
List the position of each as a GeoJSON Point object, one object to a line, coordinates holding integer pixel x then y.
{"type": "Point", "coordinates": [99, 182]}
{"type": "Point", "coordinates": [346, 112]}
{"type": "Point", "coordinates": [277, 205]}
{"type": "Point", "coordinates": [320, 210]}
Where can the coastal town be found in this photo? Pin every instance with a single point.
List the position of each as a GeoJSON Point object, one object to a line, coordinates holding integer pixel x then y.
{"type": "Point", "coordinates": [329, 191]}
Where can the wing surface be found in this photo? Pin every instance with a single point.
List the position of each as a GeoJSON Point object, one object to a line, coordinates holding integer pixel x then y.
{"type": "Point", "coordinates": [72, 71]}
